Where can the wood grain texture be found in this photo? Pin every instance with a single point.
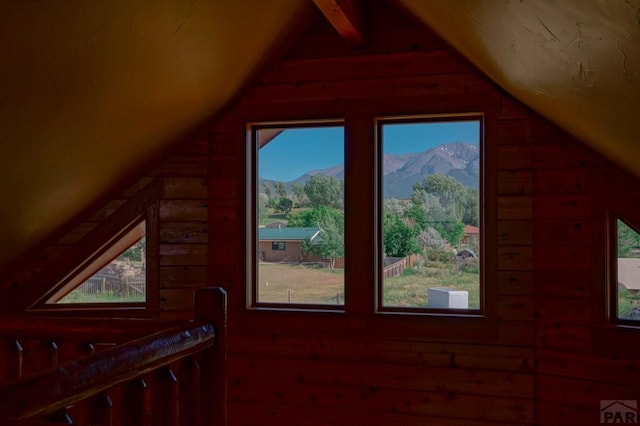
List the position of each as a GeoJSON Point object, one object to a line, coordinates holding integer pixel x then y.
{"type": "Point", "coordinates": [80, 379]}
{"type": "Point", "coordinates": [545, 335]}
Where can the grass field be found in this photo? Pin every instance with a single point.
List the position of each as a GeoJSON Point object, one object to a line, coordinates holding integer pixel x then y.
{"type": "Point", "coordinates": [410, 289]}
{"type": "Point", "coordinates": [80, 297]}
{"type": "Point", "coordinates": [286, 283]}
{"type": "Point", "coordinates": [626, 303]}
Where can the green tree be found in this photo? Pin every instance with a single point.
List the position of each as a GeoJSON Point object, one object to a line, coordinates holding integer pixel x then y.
{"type": "Point", "coordinates": [331, 244]}
{"type": "Point", "coordinates": [417, 216]}
{"type": "Point", "coordinates": [470, 208]}
{"type": "Point", "coordinates": [331, 224]}
{"type": "Point", "coordinates": [301, 197]}
{"type": "Point", "coordinates": [449, 192]}
{"type": "Point", "coordinates": [263, 212]}
{"type": "Point", "coordinates": [135, 253]}
{"type": "Point", "coordinates": [266, 188]}
{"type": "Point", "coordinates": [394, 205]}
{"type": "Point", "coordinates": [317, 216]}
{"type": "Point", "coordinates": [399, 237]}
{"type": "Point", "coordinates": [447, 226]}
{"type": "Point", "coordinates": [628, 240]}
{"type": "Point", "coordinates": [324, 191]}
{"type": "Point", "coordinates": [284, 205]}
{"type": "Point", "coordinates": [281, 190]}
{"type": "Point", "coordinates": [268, 191]}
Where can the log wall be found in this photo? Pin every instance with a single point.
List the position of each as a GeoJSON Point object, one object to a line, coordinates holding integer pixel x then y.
{"type": "Point", "coordinates": [544, 353]}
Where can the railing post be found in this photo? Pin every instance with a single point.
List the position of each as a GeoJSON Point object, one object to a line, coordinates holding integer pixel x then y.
{"type": "Point", "coordinates": [211, 306]}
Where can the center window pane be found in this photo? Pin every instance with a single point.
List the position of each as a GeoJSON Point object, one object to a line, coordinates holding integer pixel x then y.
{"type": "Point", "coordinates": [430, 213]}
{"type": "Point", "coordinates": [300, 215]}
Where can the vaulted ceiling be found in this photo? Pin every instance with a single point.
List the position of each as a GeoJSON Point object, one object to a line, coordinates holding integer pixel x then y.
{"type": "Point", "coordinates": [91, 91]}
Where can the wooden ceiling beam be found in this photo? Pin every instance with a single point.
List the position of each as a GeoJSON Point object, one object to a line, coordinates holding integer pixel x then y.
{"type": "Point", "coordinates": [347, 17]}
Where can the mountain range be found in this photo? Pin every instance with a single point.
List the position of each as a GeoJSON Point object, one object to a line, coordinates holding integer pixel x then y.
{"type": "Point", "coordinates": [459, 160]}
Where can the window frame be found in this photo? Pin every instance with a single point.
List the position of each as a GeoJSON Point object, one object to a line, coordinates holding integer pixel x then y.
{"type": "Point", "coordinates": [99, 261]}
{"type": "Point", "coordinates": [612, 296]}
{"type": "Point", "coordinates": [360, 311]}
{"type": "Point", "coordinates": [252, 254]}
{"type": "Point", "coordinates": [380, 121]}
{"type": "Point", "coordinates": [143, 206]}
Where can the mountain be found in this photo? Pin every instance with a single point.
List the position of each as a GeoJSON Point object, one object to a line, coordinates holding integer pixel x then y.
{"type": "Point", "coordinates": [459, 160]}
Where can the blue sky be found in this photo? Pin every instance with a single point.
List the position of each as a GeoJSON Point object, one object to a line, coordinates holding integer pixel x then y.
{"type": "Point", "coordinates": [296, 151]}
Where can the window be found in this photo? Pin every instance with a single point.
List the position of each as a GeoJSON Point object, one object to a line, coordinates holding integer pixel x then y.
{"type": "Point", "coordinates": [430, 211]}
{"type": "Point", "coordinates": [117, 275]}
{"type": "Point", "coordinates": [278, 245]}
{"type": "Point", "coordinates": [297, 245]}
{"type": "Point", "coordinates": [625, 288]}
{"type": "Point", "coordinates": [416, 201]}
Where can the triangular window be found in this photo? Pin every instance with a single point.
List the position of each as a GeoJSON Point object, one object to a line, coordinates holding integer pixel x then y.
{"type": "Point", "coordinates": [116, 275]}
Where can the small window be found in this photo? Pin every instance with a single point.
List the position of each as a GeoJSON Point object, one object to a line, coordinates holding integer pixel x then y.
{"type": "Point", "coordinates": [117, 275]}
{"type": "Point", "coordinates": [626, 285]}
{"type": "Point", "coordinates": [431, 251]}
{"type": "Point", "coordinates": [298, 243]}
{"type": "Point", "coordinates": [278, 245]}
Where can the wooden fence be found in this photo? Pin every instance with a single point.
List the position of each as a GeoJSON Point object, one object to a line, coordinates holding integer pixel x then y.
{"type": "Point", "coordinates": [395, 266]}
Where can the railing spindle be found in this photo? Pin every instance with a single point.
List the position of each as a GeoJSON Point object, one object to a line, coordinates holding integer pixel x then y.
{"type": "Point", "coordinates": [173, 403]}
{"type": "Point", "coordinates": [165, 387]}
{"type": "Point", "coordinates": [54, 353]}
{"type": "Point", "coordinates": [61, 416]}
{"type": "Point", "coordinates": [135, 410]}
{"type": "Point", "coordinates": [19, 359]}
{"type": "Point", "coordinates": [189, 392]}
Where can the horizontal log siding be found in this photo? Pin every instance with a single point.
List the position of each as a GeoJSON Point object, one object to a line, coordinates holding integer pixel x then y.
{"type": "Point", "coordinates": [548, 357]}
{"type": "Point", "coordinates": [182, 233]}
{"type": "Point", "coordinates": [547, 239]}
{"type": "Point", "coordinates": [288, 368]}
{"type": "Point", "coordinates": [580, 360]}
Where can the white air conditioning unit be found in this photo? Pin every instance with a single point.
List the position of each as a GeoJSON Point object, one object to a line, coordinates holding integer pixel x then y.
{"type": "Point", "coordinates": [447, 298]}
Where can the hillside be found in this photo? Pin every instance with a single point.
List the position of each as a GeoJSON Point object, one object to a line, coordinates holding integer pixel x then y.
{"type": "Point", "coordinates": [459, 160]}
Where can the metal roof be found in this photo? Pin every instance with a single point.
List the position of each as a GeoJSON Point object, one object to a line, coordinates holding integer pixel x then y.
{"type": "Point", "coordinates": [287, 234]}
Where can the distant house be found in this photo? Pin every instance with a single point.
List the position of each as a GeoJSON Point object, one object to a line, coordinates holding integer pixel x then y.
{"type": "Point", "coordinates": [285, 244]}
{"type": "Point", "coordinates": [629, 274]}
{"type": "Point", "coordinates": [471, 236]}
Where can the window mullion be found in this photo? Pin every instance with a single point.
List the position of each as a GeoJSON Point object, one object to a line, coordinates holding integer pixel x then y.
{"type": "Point", "coordinates": [360, 217]}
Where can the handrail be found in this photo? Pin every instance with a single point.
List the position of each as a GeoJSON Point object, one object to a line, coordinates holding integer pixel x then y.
{"type": "Point", "coordinates": [77, 380]}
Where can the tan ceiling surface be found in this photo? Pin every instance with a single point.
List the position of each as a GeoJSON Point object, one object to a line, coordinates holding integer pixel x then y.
{"type": "Point", "coordinates": [575, 61]}
{"type": "Point", "coordinates": [90, 89]}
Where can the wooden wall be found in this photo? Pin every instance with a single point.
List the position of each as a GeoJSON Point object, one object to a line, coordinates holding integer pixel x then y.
{"type": "Point", "coordinates": [544, 353]}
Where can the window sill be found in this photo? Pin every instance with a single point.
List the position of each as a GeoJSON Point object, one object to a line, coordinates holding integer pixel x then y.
{"type": "Point", "coordinates": [396, 325]}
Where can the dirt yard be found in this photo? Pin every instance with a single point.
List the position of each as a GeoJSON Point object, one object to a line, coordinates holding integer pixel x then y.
{"type": "Point", "coordinates": [285, 283]}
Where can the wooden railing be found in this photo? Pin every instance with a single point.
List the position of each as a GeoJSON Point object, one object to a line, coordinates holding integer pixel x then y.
{"type": "Point", "coordinates": [116, 371]}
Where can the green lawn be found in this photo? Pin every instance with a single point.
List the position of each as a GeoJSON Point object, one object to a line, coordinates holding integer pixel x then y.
{"type": "Point", "coordinates": [410, 289]}
{"type": "Point", "coordinates": [292, 283]}
{"type": "Point", "coordinates": [626, 302]}
{"type": "Point", "coordinates": [80, 297]}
